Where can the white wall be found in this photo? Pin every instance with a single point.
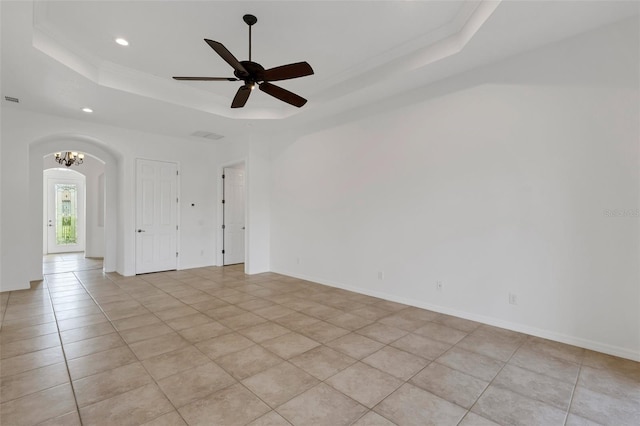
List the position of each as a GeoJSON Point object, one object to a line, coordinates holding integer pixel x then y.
{"type": "Point", "coordinates": [93, 169]}
{"type": "Point", "coordinates": [258, 207]}
{"type": "Point", "coordinates": [493, 182]}
{"type": "Point", "coordinates": [22, 129]}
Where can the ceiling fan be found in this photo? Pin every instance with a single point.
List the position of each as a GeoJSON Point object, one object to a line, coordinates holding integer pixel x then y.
{"type": "Point", "coordinates": [252, 73]}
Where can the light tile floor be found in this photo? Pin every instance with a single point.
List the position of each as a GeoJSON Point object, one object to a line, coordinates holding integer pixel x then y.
{"type": "Point", "coordinates": [213, 346]}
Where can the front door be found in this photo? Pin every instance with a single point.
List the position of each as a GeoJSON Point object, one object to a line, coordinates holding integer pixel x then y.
{"type": "Point", "coordinates": [65, 211]}
{"type": "Point", "coordinates": [234, 227]}
{"type": "Point", "coordinates": [156, 216]}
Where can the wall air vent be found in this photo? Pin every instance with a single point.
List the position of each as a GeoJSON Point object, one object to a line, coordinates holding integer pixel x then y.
{"type": "Point", "coordinates": [207, 135]}
{"type": "Point", "coordinates": [10, 99]}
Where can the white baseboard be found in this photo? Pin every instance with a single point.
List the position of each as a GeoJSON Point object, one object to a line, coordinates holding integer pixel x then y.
{"type": "Point", "coordinates": [521, 328]}
{"type": "Point", "coordinates": [4, 289]}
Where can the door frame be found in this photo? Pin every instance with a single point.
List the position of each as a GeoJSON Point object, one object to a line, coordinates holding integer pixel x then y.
{"type": "Point", "coordinates": [220, 212]}
{"type": "Point", "coordinates": [227, 219]}
{"type": "Point", "coordinates": [135, 212]}
{"type": "Point", "coordinates": [75, 176]}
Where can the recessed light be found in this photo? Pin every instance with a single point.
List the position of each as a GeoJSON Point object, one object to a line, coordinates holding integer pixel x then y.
{"type": "Point", "coordinates": [87, 109]}
{"type": "Point", "coordinates": [122, 42]}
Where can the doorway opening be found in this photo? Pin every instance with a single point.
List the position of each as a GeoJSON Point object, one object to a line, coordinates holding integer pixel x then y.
{"type": "Point", "coordinates": [102, 201]}
{"type": "Point", "coordinates": [233, 214]}
{"type": "Point", "coordinates": [64, 193]}
{"type": "Point", "coordinates": [73, 217]}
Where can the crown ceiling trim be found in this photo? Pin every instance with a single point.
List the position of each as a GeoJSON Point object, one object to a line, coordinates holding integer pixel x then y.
{"type": "Point", "coordinates": [433, 46]}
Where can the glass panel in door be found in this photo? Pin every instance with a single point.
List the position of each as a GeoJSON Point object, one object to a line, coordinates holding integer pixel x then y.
{"type": "Point", "coordinates": [66, 214]}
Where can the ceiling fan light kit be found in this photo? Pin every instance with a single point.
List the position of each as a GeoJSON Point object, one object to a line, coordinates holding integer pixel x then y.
{"type": "Point", "coordinates": [253, 74]}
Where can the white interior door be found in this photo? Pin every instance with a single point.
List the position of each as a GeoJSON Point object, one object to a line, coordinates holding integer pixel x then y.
{"type": "Point", "coordinates": [65, 211]}
{"type": "Point", "coordinates": [234, 227]}
{"type": "Point", "coordinates": [156, 216]}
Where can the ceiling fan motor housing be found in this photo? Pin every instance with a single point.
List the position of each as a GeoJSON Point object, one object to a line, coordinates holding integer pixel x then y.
{"type": "Point", "coordinates": [255, 70]}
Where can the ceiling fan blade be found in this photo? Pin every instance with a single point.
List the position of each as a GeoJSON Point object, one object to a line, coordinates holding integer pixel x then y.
{"type": "Point", "coordinates": [206, 78]}
{"type": "Point", "coordinates": [283, 94]}
{"type": "Point", "coordinates": [286, 72]}
{"type": "Point", "coordinates": [242, 95]}
{"type": "Point", "coordinates": [227, 56]}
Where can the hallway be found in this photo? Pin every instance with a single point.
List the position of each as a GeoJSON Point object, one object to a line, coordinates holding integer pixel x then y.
{"type": "Point", "coordinates": [68, 262]}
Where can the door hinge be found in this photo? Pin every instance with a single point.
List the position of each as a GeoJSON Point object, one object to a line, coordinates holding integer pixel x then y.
{"type": "Point", "coordinates": [222, 251]}
{"type": "Point", "coordinates": [222, 201]}
{"type": "Point", "coordinates": [176, 254]}
{"type": "Point", "coordinates": [177, 173]}
{"type": "Point", "coordinates": [176, 199]}
{"type": "Point", "coordinates": [222, 226]}
{"type": "Point", "coordinates": [222, 176]}
{"type": "Point", "coordinates": [176, 227]}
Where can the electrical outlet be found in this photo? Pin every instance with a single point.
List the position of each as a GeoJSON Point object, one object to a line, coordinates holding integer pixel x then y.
{"type": "Point", "coordinates": [513, 299]}
{"type": "Point", "coordinates": [439, 285]}
{"type": "Point", "coordinates": [381, 275]}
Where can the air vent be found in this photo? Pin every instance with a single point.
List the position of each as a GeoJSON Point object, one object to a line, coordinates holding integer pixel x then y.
{"type": "Point", "coordinates": [207, 135]}
{"type": "Point", "coordinates": [10, 99]}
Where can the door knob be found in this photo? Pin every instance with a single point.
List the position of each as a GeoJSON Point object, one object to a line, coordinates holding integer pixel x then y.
{"type": "Point", "coordinates": [140, 230]}
{"type": "Point", "coordinates": [243, 227]}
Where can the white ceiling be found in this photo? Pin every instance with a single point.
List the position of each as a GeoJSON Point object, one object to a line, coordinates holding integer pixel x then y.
{"type": "Point", "coordinates": [58, 56]}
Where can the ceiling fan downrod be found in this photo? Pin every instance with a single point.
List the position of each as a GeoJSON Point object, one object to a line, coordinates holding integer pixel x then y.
{"type": "Point", "coordinates": [250, 20]}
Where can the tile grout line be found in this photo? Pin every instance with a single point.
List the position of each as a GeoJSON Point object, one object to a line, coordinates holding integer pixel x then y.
{"type": "Point", "coordinates": [4, 310]}
{"type": "Point", "coordinates": [321, 344]}
{"type": "Point", "coordinates": [542, 374]}
{"type": "Point", "coordinates": [431, 361]}
{"type": "Point", "coordinates": [418, 372]}
{"type": "Point", "coordinates": [573, 391]}
{"type": "Point", "coordinates": [290, 330]}
{"type": "Point", "coordinates": [129, 347]}
{"type": "Point", "coordinates": [192, 344]}
{"type": "Point", "coordinates": [351, 365]}
{"type": "Point", "coordinates": [320, 382]}
{"type": "Point", "coordinates": [294, 331]}
{"type": "Point", "coordinates": [238, 381]}
{"type": "Point", "coordinates": [494, 378]}
{"type": "Point", "coordinates": [115, 330]}
{"type": "Point", "coordinates": [386, 345]}
{"type": "Point", "coordinates": [352, 331]}
{"type": "Point", "coordinates": [33, 369]}
{"type": "Point", "coordinates": [64, 354]}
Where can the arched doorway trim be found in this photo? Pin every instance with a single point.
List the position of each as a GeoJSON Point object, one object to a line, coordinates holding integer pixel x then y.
{"type": "Point", "coordinates": [96, 148]}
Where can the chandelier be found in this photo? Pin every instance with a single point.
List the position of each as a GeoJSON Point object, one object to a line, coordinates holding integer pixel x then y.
{"type": "Point", "coordinates": [68, 158]}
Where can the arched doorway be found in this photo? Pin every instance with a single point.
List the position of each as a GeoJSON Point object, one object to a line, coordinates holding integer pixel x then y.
{"type": "Point", "coordinates": [38, 151]}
